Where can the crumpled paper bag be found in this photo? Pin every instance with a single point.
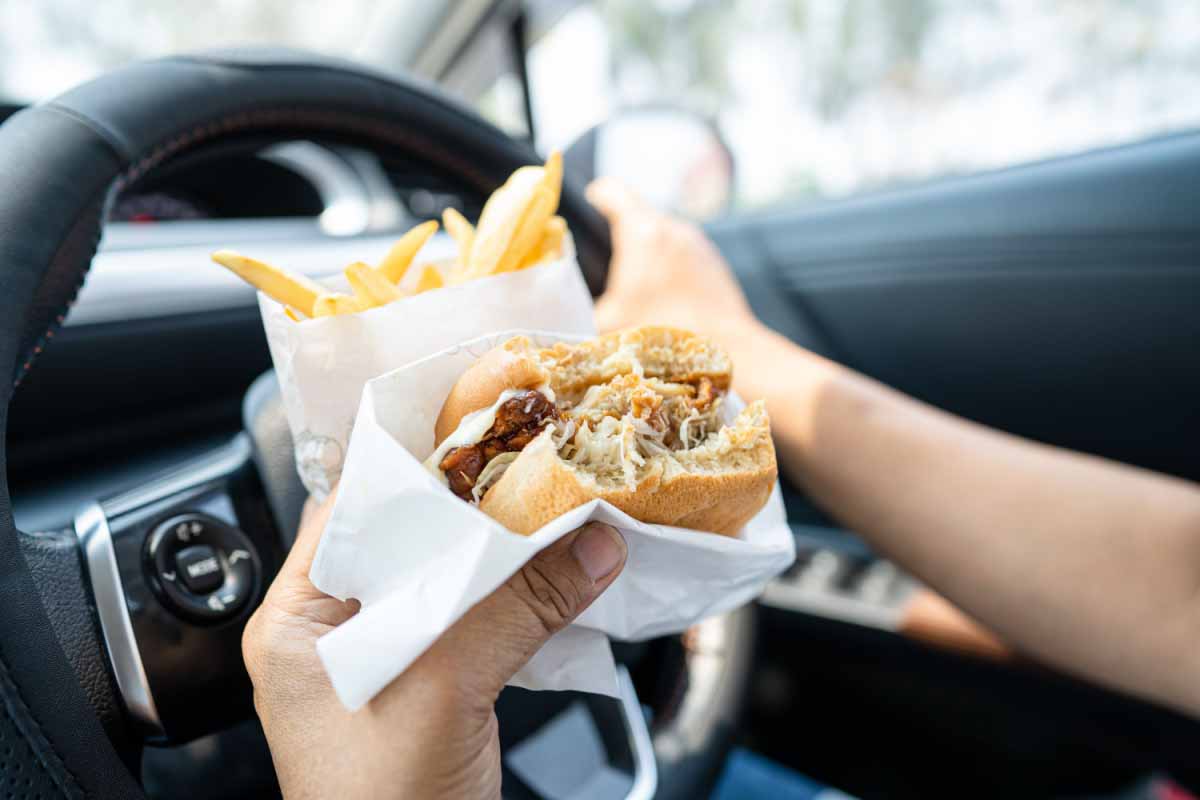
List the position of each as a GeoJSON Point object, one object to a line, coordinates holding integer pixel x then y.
{"type": "Point", "coordinates": [418, 558]}
{"type": "Point", "coordinates": [323, 364]}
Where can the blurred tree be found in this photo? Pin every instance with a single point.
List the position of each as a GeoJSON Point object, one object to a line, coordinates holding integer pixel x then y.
{"type": "Point", "coordinates": [872, 78]}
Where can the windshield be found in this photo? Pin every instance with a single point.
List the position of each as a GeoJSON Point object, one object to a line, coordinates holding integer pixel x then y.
{"type": "Point", "coordinates": [814, 99]}
{"type": "Point", "coordinates": [49, 46]}
{"type": "Point", "coordinates": [818, 98]}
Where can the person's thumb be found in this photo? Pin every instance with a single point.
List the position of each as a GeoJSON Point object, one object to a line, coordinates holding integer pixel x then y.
{"type": "Point", "coordinates": [500, 634]}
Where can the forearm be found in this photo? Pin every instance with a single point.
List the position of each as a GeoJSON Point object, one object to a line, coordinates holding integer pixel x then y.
{"type": "Point", "coordinates": [1084, 563]}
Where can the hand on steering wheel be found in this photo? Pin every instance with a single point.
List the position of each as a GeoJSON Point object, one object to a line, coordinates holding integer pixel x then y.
{"type": "Point", "coordinates": [433, 731]}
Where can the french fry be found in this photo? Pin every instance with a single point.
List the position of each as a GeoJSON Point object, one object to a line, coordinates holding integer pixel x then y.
{"type": "Point", "coordinates": [529, 230]}
{"type": "Point", "coordinates": [430, 279]}
{"type": "Point", "coordinates": [332, 304]}
{"type": "Point", "coordinates": [503, 216]}
{"type": "Point", "coordinates": [549, 247]}
{"type": "Point", "coordinates": [552, 178]}
{"type": "Point", "coordinates": [456, 274]}
{"type": "Point", "coordinates": [494, 234]}
{"type": "Point", "coordinates": [298, 291]}
{"type": "Point", "coordinates": [517, 229]}
{"type": "Point", "coordinates": [554, 228]}
{"type": "Point", "coordinates": [553, 236]}
{"type": "Point", "coordinates": [520, 183]}
{"type": "Point", "coordinates": [462, 231]}
{"type": "Point", "coordinates": [533, 195]}
{"type": "Point", "coordinates": [398, 259]}
{"type": "Point", "coordinates": [370, 287]}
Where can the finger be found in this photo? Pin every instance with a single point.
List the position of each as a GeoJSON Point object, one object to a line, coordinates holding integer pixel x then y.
{"type": "Point", "coordinates": [624, 210]}
{"type": "Point", "coordinates": [607, 314]}
{"type": "Point", "coordinates": [500, 634]}
{"type": "Point", "coordinates": [310, 507]}
{"type": "Point", "coordinates": [616, 201]}
{"type": "Point", "coordinates": [312, 524]}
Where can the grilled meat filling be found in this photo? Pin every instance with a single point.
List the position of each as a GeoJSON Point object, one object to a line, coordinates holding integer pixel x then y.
{"type": "Point", "coordinates": [518, 420]}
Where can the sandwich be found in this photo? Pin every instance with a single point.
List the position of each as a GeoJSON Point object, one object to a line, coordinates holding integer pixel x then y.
{"type": "Point", "coordinates": [635, 418]}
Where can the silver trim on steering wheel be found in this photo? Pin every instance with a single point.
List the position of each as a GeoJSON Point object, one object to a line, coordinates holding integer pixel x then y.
{"type": "Point", "coordinates": [100, 560]}
{"type": "Point", "coordinates": [645, 768]}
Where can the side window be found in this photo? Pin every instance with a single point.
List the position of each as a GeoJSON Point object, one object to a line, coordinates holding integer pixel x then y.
{"type": "Point", "coordinates": [826, 98]}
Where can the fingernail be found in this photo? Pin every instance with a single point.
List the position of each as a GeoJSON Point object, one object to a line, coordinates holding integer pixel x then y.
{"type": "Point", "coordinates": [599, 549]}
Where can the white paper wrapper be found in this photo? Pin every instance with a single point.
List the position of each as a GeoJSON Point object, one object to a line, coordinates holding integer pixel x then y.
{"type": "Point", "coordinates": [323, 364]}
{"type": "Point", "coordinates": [418, 557]}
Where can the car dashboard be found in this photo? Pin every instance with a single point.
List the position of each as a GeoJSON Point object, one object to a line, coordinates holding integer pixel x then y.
{"type": "Point", "coordinates": [154, 360]}
{"type": "Point", "coordinates": [160, 345]}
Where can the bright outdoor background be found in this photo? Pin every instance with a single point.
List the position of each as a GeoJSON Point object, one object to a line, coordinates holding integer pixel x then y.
{"type": "Point", "coordinates": [817, 98]}
{"type": "Point", "coordinates": [824, 98]}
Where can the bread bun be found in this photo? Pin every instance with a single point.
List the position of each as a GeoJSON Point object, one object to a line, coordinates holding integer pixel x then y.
{"type": "Point", "coordinates": [505, 367]}
{"type": "Point", "coordinates": [720, 488]}
{"type": "Point", "coordinates": [569, 369]}
{"type": "Point", "coordinates": [626, 401]}
{"type": "Point", "coordinates": [667, 353]}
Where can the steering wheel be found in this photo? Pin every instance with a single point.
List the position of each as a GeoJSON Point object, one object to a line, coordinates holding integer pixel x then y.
{"type": "Point", "coordinates": [101, 647]}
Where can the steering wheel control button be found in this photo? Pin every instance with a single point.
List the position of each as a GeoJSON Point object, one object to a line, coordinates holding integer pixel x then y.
{"type": "Point", "coordinates": [201, 568]}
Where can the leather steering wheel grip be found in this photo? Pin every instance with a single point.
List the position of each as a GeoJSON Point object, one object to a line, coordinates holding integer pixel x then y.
{"type": "Point", "coordinates": [61, 165]}
{"type": "Point", "coordinates": [65, 160]}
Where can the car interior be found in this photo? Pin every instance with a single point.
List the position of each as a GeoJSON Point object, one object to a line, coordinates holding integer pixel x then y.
{"type": "Point", "coordinates": [1056, 300]}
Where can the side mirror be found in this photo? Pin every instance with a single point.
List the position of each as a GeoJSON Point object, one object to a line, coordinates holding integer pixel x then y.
{"type": "Point", "coordinates": [675, 159]}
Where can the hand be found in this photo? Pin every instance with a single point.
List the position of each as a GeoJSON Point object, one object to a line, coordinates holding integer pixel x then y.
{"type": "Point", "coordinates": [432, 732]}
{"type": "Point", "coordinates": [665, 271]}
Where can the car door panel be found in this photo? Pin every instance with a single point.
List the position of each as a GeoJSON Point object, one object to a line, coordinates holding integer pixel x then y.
{"type": "Point", "coordinates": [1059, 300]}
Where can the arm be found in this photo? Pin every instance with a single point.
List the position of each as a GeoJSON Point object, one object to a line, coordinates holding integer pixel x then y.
{"type": "Point", "coordinates": [1090, 565]}
{"type": "Point", "coordinates": [1087, 564]}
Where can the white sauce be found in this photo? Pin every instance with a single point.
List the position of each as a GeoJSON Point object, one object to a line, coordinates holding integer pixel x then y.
{"type": "Point", "coordinates": [472, 428]}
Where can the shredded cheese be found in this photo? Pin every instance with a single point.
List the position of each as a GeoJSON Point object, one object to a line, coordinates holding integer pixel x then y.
{"type": "Point", "coordinates": [492, 472]}
{"type": "Point", "coordinates": [616, 448]}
